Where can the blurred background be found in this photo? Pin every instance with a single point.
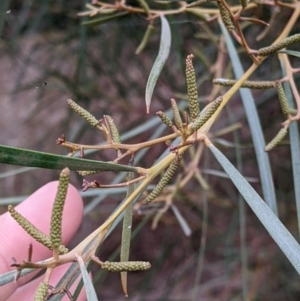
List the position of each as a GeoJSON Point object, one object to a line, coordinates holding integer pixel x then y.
{"type": "Point", "coordinates": [47, 56]}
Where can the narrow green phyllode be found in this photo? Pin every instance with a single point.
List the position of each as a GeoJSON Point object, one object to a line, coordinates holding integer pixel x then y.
{"type": "Point", "coordinates": [164, 180]}
{"type": "Point", "coordinates": [280, 45]}
{"type": "Point", "coordinates": [58, 206]}
{"type": "Point", "coordinates": [145, 39]}
{"type": "Point", "coordinates": [192, 88]}
{"type": "Point", "coordinates": [126, 266]}
{"type": "Point", "coordinates": [33, 231]}
{"type": "Point", "coordinates": [41, 292]}
{"type": "Point", "coordinates": [83, 113]}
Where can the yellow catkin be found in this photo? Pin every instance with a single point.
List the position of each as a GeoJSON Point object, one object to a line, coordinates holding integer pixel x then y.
{"type": "Point", "coordinates": [113, 129]}
{"type": "Point", "coordinates": [278, 138]}
{"type": "Point", "coordinates": [87, 172]}
{"type": "Point", "coordinates": [244, 3]}
{"type": "Point", "coordinates": [206, 113]}
{"type": "Point", "coordinates": [225, 16]}
{"type": "Point", "coordinates": [144, 5]}
{"type": "Point", "coordinates": [196, 3]}
{"type": "Point", "coordinates": [282, 99]}
{"type": "Point", "coordinates": [58, 206]}
{"type": "Point", "coordinates": [192, 88]}
{"type": "Point", "coordinates": [83, 113]}
{"type": "Point", "coordinates": [33, 231]}
{"type": "Point", "coordinates": [145, 39]}
{"type": "Point", "coordinates": [280, 45]}
{"type": "Point", "coordinates": [164, 118]}
{"type": "Point", "coordinates": [164, 180]}
{"type": "Point", "coordinates": [293, 111]}
{"type": "Point", "coordinates": [176, 115]}
{"type": "Point", "coordinates": [41, 292]}
{"type": "Point", "coordinates": [247, 84]}
{"type": "Point", "coordinates": [125, 266]}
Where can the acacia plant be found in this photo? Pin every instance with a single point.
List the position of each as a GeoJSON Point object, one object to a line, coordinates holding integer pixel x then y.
{"type": "Point", "coordinates": [187, 130]}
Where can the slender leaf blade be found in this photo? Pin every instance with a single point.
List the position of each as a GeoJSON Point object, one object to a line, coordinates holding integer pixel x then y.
{"type": "Point", "coordinates": [11, 275]}
{"type": "Point", "coordinates": [88, 284]}
{"type": "Point", "coordinates": [103, 19]}
{"type": "Point", "coordinates": [163, 53]}
{"type": "Point", "coordinates": [182, 221]}
{"type": "Point", "coordinates": [295, 145]}
{"type": "Point", "coordinates": [290, 52]}
{"type": "Point", "coordinates": [126, 234]}
{"type": "Point", "coordinates": [255, 127]}
{"type": "Point", "coordinates": [270, 221]}
{"type": "Point", "coordinates": [25, 157]}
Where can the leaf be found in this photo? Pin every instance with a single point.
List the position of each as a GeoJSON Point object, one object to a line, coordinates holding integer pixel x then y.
{"type": "Point", "coordinates": [163, 53]}
{"type": "Point", "coordinates": [126, 234]}
{"type": "Point", "coordinates": [10, 276]}
{"type": "Point", "coordinates": [24, 157]}
{"type": "Point", "coordinates": [270, 221]}
{"type": "Point", "coordinates": [145, 39]}
{"type": "Point", "coordinates": [290, 52]}
{"type": "Point", "coordinates": [181, 220]}
{"type": "Point", "coordinates": [102, 19]}
{"type": "Point", "coordinates": [295, 144]}
{"type": "Point", "coordinates": [4, 7]}
{"type": "Point", "coordinates": [255, 127]}
{"type": "Point", "coordinates": [88, 284]}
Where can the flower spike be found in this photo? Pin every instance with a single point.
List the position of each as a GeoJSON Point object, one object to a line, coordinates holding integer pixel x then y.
{"type": "Point", "coordinates": [192, 88]}
{"type": "Point", "coordinates": [58, 206]}
{"type": "Point", "coordinates": [129, 266]}
{"type": "Point", "coordinates": [164, 180]}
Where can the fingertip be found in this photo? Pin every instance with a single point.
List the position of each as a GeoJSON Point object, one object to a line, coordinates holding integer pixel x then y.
{"type": "Point", "coordinates": [72, 212]}
{"type": "Point", "coordinates": [37, 208]}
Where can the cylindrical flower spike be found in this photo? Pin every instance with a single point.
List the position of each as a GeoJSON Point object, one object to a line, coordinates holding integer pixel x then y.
{"type": "Point", "coordinates": [278, 138]}
{"type": "Point", "coordinates": [113, 129]}
{"type": "Point", "coordinates": [280, 45]}
{"type": "Point", "coordinates": [244, 3]}
{"type": "Point", "coordinates": [126, 266]}
{"type": "Point", "coordinates": [196, 3]}
{"type": "Point", "coordinates": [293, 111]}
{"type": "Point", "coordinates": [58, 206]}
{"type": "Point", "coordinates": [206, 113]}
{"type": "Point", "coordinates": [225, 16]}
{"type": "Point", "coordinates": [164, 118]}
{"type": "Point", "coordinates": [41, 292]}
{"type": "Point", "coordinates": [87, 172]}
{"type": "Point", "coordinates": [33, 231]}
{"type": "Point", "coordinates": [176, 115]}
{"type": "Point", "coordinates": [192, 88]}
{"type": "Point", "coordinates": [144, 5]}
{"type": "Point", "coordinates": [83, 113]}
{"type": "Point", "coordinates": [164, 180]}
{"type": "Point", "coordinates": [247, 84]}
{"type": "Point", "coordinates": [282, 99]}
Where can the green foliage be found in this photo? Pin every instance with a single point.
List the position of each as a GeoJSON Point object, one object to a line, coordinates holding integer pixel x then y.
{"type": "Point", "coordinates": [113, 82]}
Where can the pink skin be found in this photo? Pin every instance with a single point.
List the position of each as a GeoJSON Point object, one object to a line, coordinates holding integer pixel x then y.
{"type": "Point", "coordinates": [14, 241]}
